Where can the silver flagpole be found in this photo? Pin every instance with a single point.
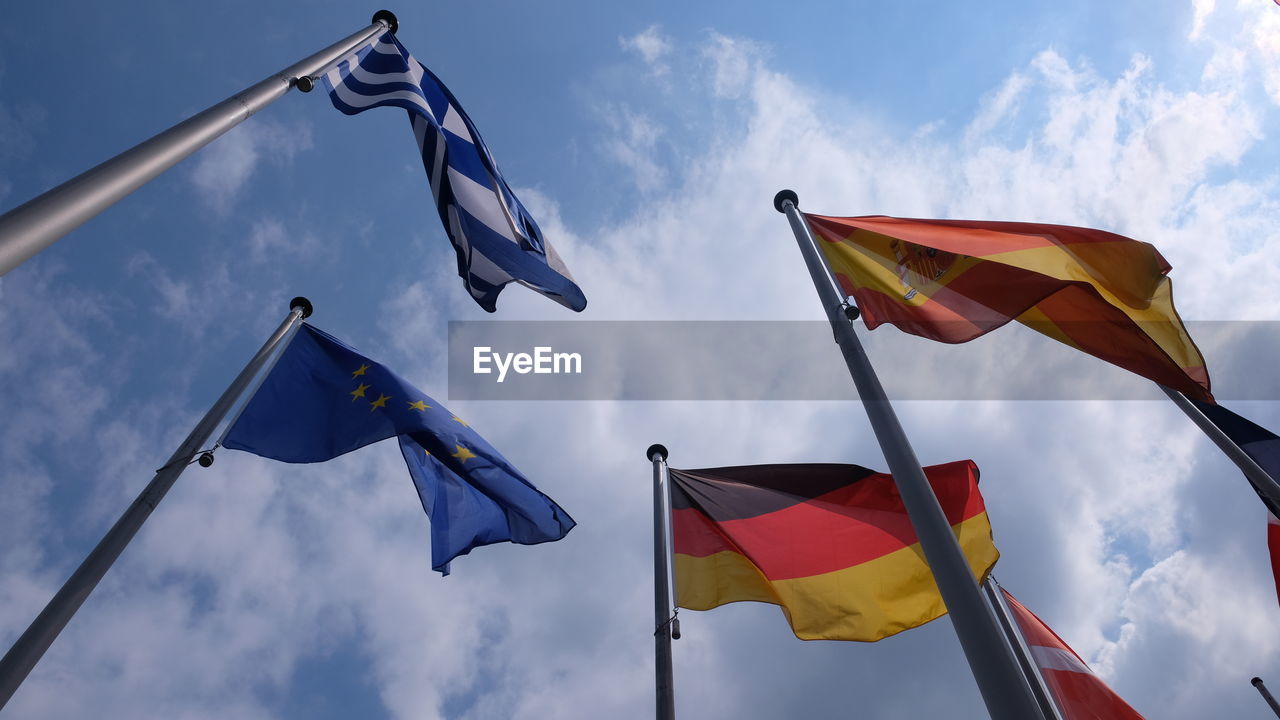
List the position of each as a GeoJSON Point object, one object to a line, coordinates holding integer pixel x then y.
{"type": "Point", "coordinates": [1261, 481]}
{"type": "Point", "coordinates": [1030, 669]}
{"type": "Point", "coordinates": [27, 651]}
{"type": "Point", "coordinates": [662, 617]}
{"type": "Point", "coordinates": [38, 223]}
{"type": "Point", "coordinates": [994, 668]}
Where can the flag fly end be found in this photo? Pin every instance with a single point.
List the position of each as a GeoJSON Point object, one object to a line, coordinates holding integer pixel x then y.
{"type": "Point", "coordinates": [388, 18]}
{"type": "Point", "coordinates": [656, 452]}
{"type": "Point", "coordinates": [303, 304]}
{"type": "Point", "coordinates": [782, 197]}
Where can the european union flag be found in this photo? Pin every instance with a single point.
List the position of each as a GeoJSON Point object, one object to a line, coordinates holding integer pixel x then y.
{"type": "Point", "coordinates": [323, 399]}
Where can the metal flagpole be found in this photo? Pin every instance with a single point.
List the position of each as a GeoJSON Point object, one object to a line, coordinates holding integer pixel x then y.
{"type": "Point", "coordinates": [27, 651]}
{"type": "Point", "coordinates": [662, 617]}
{"type": "Point", "coordinates": [1030, 669]}
{"type": "Point", "coordinates": [1262, 482]}
{"type": "Point", "coordinates": [41, 221]}
{"type": "Point", "coordinates": [994, 668]}
{"type": "Point", "coordinates": [1266, 695]}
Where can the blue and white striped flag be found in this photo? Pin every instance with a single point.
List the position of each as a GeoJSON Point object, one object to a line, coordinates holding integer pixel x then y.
{"type": "Point", "coordinates": [496, 239]}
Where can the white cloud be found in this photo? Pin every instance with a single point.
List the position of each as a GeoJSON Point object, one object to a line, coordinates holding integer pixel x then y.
{"type": "Point", "coordinates": [1266, 41]}
{"type": "Point", "coordinates": [270, 238]}
{"type": "Point", "coordinates": [634, 144]}
{"type": "Point", "coordinates": [181, 299]}
{"type": "Point", "coordinates": [223, 167]}
{"type": "Point", "coordinates": [1245, 42]}
{"type": "Point", "coordinates": [1201, 9]}
{"type": "Point", "coordinates": [652, 46]}
{"type": "Point", "coordinates": [1000, 105]}
{"type": "Point", "coordinates": [734, 62]}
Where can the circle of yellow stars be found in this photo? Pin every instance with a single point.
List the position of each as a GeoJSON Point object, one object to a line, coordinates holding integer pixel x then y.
{"type": "Point", "coordinates": [361, 392]}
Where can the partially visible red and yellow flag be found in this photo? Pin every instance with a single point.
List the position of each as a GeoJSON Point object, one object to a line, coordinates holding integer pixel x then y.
{"type": "Point", "coordinates": [953, 280]}
{"type": "Point", "coordinates": [831, 544]}
{"type": "Point", "coordinates": [1079, 694]}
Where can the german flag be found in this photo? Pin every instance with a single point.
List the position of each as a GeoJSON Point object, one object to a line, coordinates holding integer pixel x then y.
{"type": "Point", "coordinates": [953, 280]}
{"type": "Point", "coordinates": [830, 544]}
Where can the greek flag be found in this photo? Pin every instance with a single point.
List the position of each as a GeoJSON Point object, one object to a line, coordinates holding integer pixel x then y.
{"type": "Point", "coordinates": [496, 239]}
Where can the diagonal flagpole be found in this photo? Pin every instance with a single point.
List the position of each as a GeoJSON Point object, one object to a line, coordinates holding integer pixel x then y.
{"type": "Point", "coordinates": [999, 679]}
{"type": "Point", "coordinates": [1266, 695]}
{"type": "Point", "coordinates": [1267, 486]}
{"type": "Point", "coordinates": [995, 595]}
{"type": "Point", "coordinates": [41, 221]}
{"type": "Point", "coordinates": [30, 647]}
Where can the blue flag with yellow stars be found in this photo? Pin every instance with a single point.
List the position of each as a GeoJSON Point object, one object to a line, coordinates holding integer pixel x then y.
{"type": "Point", "coordinates": [323, 399]}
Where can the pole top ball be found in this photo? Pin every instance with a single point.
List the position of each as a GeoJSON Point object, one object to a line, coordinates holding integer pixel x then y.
{"type": "Point", "coordinates": [305, 304]}
{"type": "Point", "coordinates": [389, 18]}
{"type": "Point", "coordinates": [656, 452]}
{"type": "Point", "coordinates": [782, 197]}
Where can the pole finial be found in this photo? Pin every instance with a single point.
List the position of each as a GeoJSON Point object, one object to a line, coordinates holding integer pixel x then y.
{"type": "Point", "coordinates": [656, 452]}
{"type": "Point", "coordinates": [305, 304]}
{"type": "Point", "coordinates": [1256, 682]}
{"type": "Point", "coordinates": [782, 197]}
{"type": "Point", "coordinates": [388, 17]}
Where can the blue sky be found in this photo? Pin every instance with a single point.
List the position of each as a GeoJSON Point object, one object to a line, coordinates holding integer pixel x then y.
{"type": "Point", "coordinates": [648, 140]}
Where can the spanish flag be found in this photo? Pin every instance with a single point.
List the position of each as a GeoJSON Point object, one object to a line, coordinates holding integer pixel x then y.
{"type": "Point", "coordinates": [830, 544]}
{"type": "Point", "coordinates": [953, 280]}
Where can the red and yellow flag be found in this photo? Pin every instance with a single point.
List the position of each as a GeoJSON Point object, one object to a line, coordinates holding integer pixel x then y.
{"type": "Point", "coordinates": [1079, 694]}
{"type": "Point", "coordinates": [953, 280]}
{"type": "Point", "coordinates": [831, 544]}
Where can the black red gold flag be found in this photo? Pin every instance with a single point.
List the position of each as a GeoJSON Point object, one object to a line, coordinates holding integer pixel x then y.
{"type": "Point", "coordinates": [830, 544]}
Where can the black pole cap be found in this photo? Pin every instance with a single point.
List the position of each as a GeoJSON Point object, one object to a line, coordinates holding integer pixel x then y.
{"type": "Point", "coordinates": [656, 452]}
{"type": "Point", "coordinates": [305, 304]}
{"type": "Point", "coordinates": [1256, 681]}
{"type": "Point", "coordinates": [389, 18]}
{"type": "Point", "coordinates": [783, 196]}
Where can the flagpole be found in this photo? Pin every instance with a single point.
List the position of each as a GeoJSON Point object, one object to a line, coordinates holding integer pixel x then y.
{"type": "Point", "coordinates": [1266, 695]}
{"type": "Point", "coordinates": [1030, 669]}
{"type": "Point", "coordinates": [31, 646]}
{"type": "Point", "coordinates": [1263, 483]}
{"type": "Point", "coordinates": [41, 221]}
{"type": "Point", "coordinates": [662, 617]}
{"type": "Point", "coordinates": [999, 679]}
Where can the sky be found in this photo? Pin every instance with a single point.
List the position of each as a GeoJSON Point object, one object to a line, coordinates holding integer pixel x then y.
{"type": "Point", "coordinates": [648, 139]}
